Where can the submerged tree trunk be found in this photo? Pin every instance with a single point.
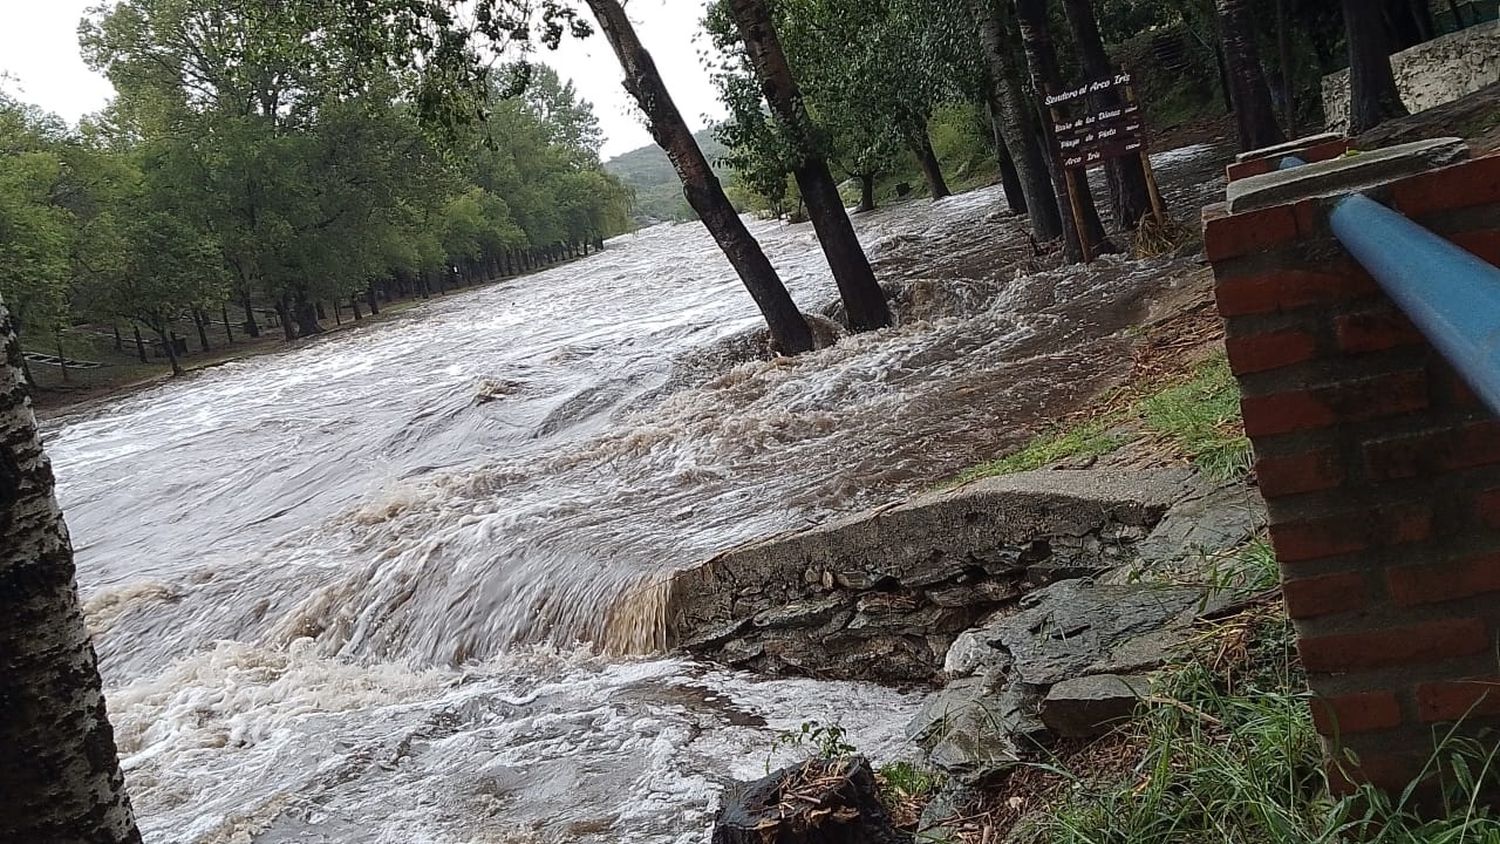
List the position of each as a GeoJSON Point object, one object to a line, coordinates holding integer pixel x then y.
{"type": "Point", "coordinates": [864, 301]}
{"type": "Point", "coordinates": [700, 186]}
{"type": "Point", "coordinates": [1373, 97]}
{"type": "Point", "coordinates": [1254, 114]}
{"type": "Point", "coordinates": [1017, 124]}
{"type": "Point", "coordinates": [62, 781]}
{"type": "Point", "coordinates": [1130, 199]}
{"type": "Point", "coordinates": [866, 194]}
{"type": "Point", "coordinates": [932, 169]}
{"type": "Point", "coordinates": [1031, 15]}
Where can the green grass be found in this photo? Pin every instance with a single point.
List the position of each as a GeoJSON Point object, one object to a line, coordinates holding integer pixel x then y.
{"type": "Point", "coordinates": [1225, 751]}
{"type": "Point", "coordinates": [902, 781]}
{"type": "Point", "coordinates": [1090, 439]}
{"type": "Point", "coordinates": [1202, 418]}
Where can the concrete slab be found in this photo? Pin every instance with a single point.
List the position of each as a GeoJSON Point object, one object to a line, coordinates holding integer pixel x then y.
{"type": "Point", "coordinates": [1289, 146]}
{"type": "Point", "coordinates": [1346, 175]}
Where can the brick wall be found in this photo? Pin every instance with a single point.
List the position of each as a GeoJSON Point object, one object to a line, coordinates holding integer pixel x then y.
{"type": "Point", "coordinates": [1380, 470]}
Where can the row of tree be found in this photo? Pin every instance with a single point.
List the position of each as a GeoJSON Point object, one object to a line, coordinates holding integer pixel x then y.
{"type": "Point", "coordinates": [247, 165]}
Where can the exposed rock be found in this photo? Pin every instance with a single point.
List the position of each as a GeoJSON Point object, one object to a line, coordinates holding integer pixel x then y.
{"type": "Point", "coordinates": [817, 802]}
{"type": "Point", "coordinates": [1203, 525]}
{"type": "Point", "coordinates": [953, 800]}
{"type": "Point", "coordinates": [1084, 707]}
{"type": "Point", "coordinates": [882, 595]}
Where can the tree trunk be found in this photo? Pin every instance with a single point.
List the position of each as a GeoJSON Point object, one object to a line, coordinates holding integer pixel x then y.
{"type": "Point", "coordinates": [1373, 97]}
{"type": "Point", "coordinates": [1288, 76]}
{"type": "Point", "coordinates": [284, 314]}
{"type": "Point", "coordinates": [201, 323]}
{"type": "Point", "coordinates": [866, 194]}
{"type": "Point", "coordinates": [354, 307]}
{"type": "Point", "coordinates": [699, 184]}
{"type": "Point", "coordinates": [370, 299]}
{"type": "Point", "coordinates": [1130, 199]}
{"type": "Point", "coordinates": [1031, 15]}
{"type": "Point", "coordinates": [169, 344]}
{"type": "Point", "coordinates": [863, 299]}
{"type": "Point", "coordinates": [840, 805]}
{"type": "Point", "coordinates": [140, 345]}
{"type": "Point", "coordinates": [1458, 17]}
{"type": "Point", "coordinates": [62, 359]}
{"type": "Point", "coordinates": [1017, 124]}
{"type": "Point", "coordinates": [932, 169]}
{"type": "Point", "coordinates": [1010, 180]}
{"type": "Point", "coordinates": [119, 342]}
{"type": "Point", "coordinates": [228, 334]}
{"type": "Point", "coordinates": [251, 326]}
{"type": "Point", "coordinates": [318, 308]}
{"type": "Point", "coordinates": [63, 780]}
{"type": "Point", "coordinates": [307, 315]}
{"type": "Point", "coordinates": [1254, 114]}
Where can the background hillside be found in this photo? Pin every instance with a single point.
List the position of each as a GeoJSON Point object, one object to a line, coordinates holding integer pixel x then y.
{"type": "Point", "coordinates": [658, 193]}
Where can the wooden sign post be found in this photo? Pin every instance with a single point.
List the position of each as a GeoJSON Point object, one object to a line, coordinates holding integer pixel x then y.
{"type": "Point", "coordinates": [1090, 138]}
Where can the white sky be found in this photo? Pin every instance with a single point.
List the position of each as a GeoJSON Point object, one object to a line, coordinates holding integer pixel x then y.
{"type": "Point", "coordinates": [39, 49]}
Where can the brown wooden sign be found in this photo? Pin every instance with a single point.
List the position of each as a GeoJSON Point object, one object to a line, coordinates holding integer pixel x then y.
{"type": "Point", "coordinates": [1084, 136]}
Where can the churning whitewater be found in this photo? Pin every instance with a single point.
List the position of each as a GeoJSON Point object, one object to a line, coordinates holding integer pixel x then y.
{"type": "Point", "coordinates": [384, 587]}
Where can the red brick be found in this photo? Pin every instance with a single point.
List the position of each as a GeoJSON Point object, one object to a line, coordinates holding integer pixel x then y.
{"type": "Point", "coordinates": [1457, 700]}
{"type": "Point", "coordinates": [1429, 641]}
{"type": "Point", "coordinates": [1434, 451]}
{"type": "Point", "coordinates": [1248, 232]}
{"type": "Point", "coordinates": [1346, 401]}
{"type": "Point", "coordinates": [1364, 712]}
{"type": "Point", "coordinates": [1293, 474]}
{"type": "Point", "coordinates": [1444, 581]}
{"type": "Point", "coordinates": [1262, 352]}
{"type": "Point", "coordinates": [1287, 290]}
{"type": "Point", "coordinates": [1389, 772]}
{"type": "Point", "coordinates": [1344, 534]}
{"type": "Point", "coordinates": [1329, 594]}
{"type": "Point", "coordinates": [1374, 331]}
{"type": "Point", "coordinates": [1462, 185]}
{"type": "Point", "coordinates": [1485, 244]}
{"type": "Point", "coordinates": [1246, 169]}
{"type": "Point", "coordinates": [1487, 507]}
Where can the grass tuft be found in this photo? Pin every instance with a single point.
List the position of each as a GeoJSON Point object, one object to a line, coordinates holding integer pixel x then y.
{"type": "Point", "coordinates": [1202, 418]}
{"type": "Point", "coordinates": [1090, 439]}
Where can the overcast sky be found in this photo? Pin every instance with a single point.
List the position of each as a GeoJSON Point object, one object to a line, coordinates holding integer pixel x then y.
{"type": "Point", "coordinates": [39, 48]}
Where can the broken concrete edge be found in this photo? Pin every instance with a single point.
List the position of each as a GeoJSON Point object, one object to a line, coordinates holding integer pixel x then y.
{"type": "Point", "coordinates": [881, 595]}
{"type": "Point", "coordinates": [1344, 175]}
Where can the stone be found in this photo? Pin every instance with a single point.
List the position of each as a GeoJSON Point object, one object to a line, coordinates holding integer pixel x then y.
{"type": "Point", "coordinates": [1076, 627]}
{"type": "Point", "coordinates": [1288, 146]}
{"type": "Point", "coordinates": [953, 800]}
{"type": "Point", "coordinates": [975, 727]}
{"type": "Point", "coordinates": [1345, 175]}
{"type": "Point", "coordinates": [1084, 707]}
{"type": "Point", "coordinates": [1203, 526]}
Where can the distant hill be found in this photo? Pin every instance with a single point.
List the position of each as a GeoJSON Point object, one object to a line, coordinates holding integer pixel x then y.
{"type": "Point", "coordinates": [658, 192]}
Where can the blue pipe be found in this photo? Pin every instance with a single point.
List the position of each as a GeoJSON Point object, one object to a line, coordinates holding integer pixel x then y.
{"type": "Point", "coordinates": [1450, 294]}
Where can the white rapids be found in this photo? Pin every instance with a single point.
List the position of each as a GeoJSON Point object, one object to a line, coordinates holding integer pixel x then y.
{"type": "Point", "coordinates": [348, 593]}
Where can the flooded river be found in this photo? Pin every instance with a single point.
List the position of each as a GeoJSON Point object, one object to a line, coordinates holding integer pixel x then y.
{"type": "Point", "coordinates": [358, 591]}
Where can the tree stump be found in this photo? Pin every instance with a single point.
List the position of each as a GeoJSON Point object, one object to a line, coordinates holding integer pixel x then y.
{"type": "Point", "coordinates": [817, 802]}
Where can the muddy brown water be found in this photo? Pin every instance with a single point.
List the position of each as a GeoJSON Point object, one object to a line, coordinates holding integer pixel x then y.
{"type": "Point", "coordinates": [339, 592]}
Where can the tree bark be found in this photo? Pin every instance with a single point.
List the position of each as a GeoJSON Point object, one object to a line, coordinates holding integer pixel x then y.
{"type": "Point", "coordinates": [228, 334]}
{"type": "Point", "coordinates": [354, 307]}
{"type": "Point", "coordinates": [863, 299]}
{"type": "Point", "coordinates": [370, 298]}
{"type": "Point", "coordinates": [62, 359]}
{"type": "Point", "coordinates": [1373, 97]}
{"type": "Point", "coordinates": [1284, 56]}
{"type": "Point", "coordinates": [62, 781]}
{"type": "Point", "coordinates": [307, 315]}
{"type": "Point", "coordinates": [140, 345]}
{"type": "Point", "coordinates": [251, 326]}
{"type": "Point", "coordinates": [1254, 114]}
{"type": "Point", "coordinates": [1041, 58]}
{"type": "Point", "coordinates": [699, 184]}
{"type": "Point", "coordinates": [866, 194]}
{"type": "Point", "coordinates": [201, 323]}
{"type": "Point", "coordinates": [284, 313]}
{"type": "Point", "coordinates": [1010, 180]}
{"type": "Point", "coordinates": [1014, 115]}
{"type": "Point", "coordinates": [119, 341]}
{"type": "Point", "coordinates": [1130, 199]}
{"type": "Point", "coordinates": [169, 345]}
{"type": "Point", "coordinates": [932, 169]}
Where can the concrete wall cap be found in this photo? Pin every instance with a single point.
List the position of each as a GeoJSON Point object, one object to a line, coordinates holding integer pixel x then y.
{"type": "Point", "coordinates": [1344, 175]}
